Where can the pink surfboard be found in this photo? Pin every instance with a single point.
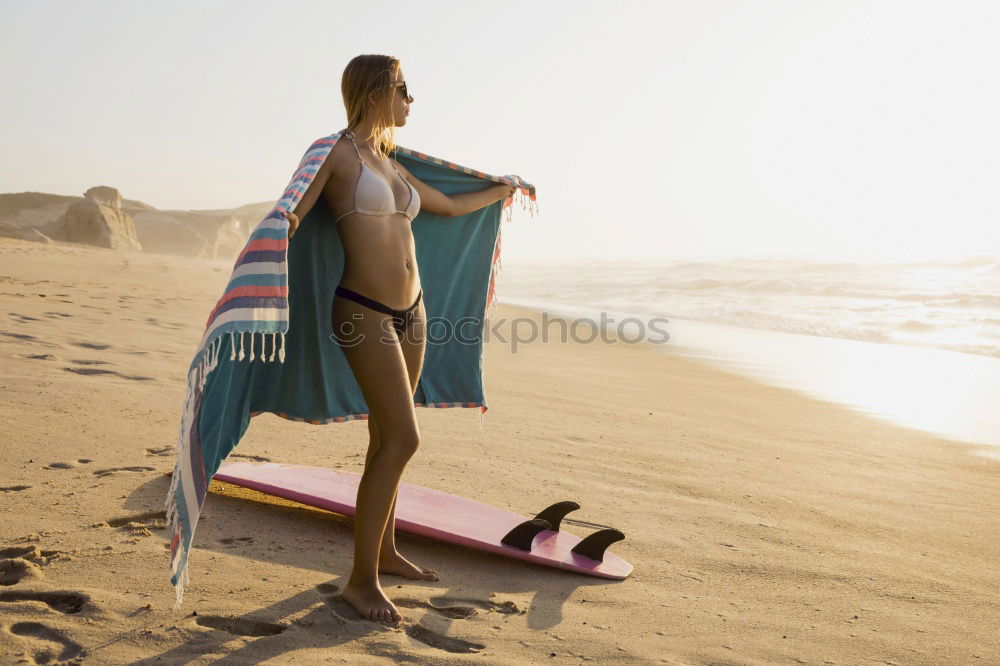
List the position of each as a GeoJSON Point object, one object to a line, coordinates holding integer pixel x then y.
{"type": "Point", "coordinates": [443, 516]}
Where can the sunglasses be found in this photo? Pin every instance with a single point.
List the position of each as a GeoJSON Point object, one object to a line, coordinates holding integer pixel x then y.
{"type": "Point", "coordinates": [402, 84]}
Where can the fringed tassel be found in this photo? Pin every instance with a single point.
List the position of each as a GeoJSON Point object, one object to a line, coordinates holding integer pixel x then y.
{"type": "Point", "coordinates": [532, 208]}
{"type": "Point", "coordinates": [276, 352]}
{"type": "Point", "coordinates": [179, 590]}
{"type": "Point", "coordinates": [527, 203]}
{"type": "Point", "coordinates": [195, 384]}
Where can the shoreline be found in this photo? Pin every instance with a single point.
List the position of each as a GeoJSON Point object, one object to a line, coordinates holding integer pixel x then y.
{"type": "Point", "coordinates": [933, 390]}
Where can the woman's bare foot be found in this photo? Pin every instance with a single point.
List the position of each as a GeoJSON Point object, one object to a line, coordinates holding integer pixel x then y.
{"type": "Point", "coordinates": [394, 563]}
{"type": "Point", "coordinates": [370, 602]}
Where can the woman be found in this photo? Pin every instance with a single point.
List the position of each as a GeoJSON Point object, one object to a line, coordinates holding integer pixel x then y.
{"type": "Point", "coordinates": [377, 312]}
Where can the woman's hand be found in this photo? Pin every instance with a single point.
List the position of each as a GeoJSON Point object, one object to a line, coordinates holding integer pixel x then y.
{"type": "Point", "coordinates": [508, 191]}
{"type": "Point", "coordinates": [293, 222]}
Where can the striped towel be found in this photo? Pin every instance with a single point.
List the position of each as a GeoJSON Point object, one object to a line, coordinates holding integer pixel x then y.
{"type": "Point", "coordinates": [260, 317]}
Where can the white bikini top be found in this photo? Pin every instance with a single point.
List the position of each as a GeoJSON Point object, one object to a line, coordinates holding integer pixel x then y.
{"type": "Point", "coordinates": [374, 196]}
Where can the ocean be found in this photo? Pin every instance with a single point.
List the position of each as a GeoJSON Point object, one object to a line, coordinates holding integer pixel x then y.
{"type": "Point", "coordinates": [952, 306]}
{"type": "Point", "coordinates": [917, 343]}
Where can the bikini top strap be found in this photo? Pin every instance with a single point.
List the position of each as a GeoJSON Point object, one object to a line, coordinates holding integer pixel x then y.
{"type": "Point", "coordinates": [392, 163]}
{"type": "Point", "coordinates": [351, 136]}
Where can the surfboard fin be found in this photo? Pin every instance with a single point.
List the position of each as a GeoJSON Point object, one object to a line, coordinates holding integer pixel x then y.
{"type": "Point", "coordinates": [595, 544]}
{"type": "Point", "coordinates": [555, 513]}
{"type": "Point", "coordinates": [522, 535]}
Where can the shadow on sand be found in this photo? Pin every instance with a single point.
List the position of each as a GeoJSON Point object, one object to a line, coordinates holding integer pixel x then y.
{"type": "Point", "coordinates": [282, 533]}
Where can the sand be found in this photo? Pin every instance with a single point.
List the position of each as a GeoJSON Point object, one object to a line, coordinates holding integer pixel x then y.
{"type": "Point", "coordinates": [764, 526]}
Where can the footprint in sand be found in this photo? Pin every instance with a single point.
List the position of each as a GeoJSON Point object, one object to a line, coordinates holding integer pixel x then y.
{"type": "Point", "coordinates": [46, 645]}
{"type": "Point", "coordinates": [165, 451]}
{"type": "Point", "coordinates": [91, 371]}
{"type": "Point", "coordinates": [92, 345]}
{"type": "Point", "coordinates": [240, 626]}
{"type": "Point", "coordinates": [13, 489]}
{"type": "Point", "coordinates": [67, 603]}
{"type": "Point", "coordinates": [68, 465]}
{"type": "Point", "coordinates": [99, 371]}
{"type": "Point", "coordinates": [453, 612]}
{"type": "Point", "coordinates": [247, 456]}
{"type": "Point", "coordinates": [43, 357]}
{"type": "Point", "coordinates": [330, 594]}
{"type": "Point", "coordinates": [27, 552]}
{"type": "Point", "coordinates": [432, 638]}
{"type": "Point", "coordinates": [19, 336]}
{"type": "Point", "coordinates": [138, 524]}
{"type": "Point", "coordinates": [84, 361]}
{"type": "Point", "coordinates": [114, 470]}
{"type": "Point", "coordinates": [32, 553]}
{"type": "Point", "coordinates": [505, 607]}
{"type": "Point", "coordinates": [163, 324]}
{"type": "Point", "coordinates": [15, 569]}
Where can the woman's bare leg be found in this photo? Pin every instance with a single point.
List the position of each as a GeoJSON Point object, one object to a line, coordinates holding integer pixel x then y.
{"type": "Point", "coordinates": [390, 560]}
{"type": "Point", "coordinates": [379, 367]}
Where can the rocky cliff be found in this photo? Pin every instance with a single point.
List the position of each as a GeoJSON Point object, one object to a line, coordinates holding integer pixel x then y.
{"type": "Point", "coordinates": [102, 217]}
{"type": "Point", "coordinates": [99, 220]}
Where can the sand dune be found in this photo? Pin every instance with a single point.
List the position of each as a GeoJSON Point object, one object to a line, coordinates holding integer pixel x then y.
{"type": "Point", "coordinates": [764, 527]}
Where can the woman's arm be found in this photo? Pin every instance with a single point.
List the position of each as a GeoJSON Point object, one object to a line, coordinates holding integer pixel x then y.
{"type": "Point", "coordinates": [453, 205]}
{"type": "Point", "coordinates": [309, 198]}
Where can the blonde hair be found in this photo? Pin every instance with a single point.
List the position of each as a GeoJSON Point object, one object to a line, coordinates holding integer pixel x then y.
{"type": "Point", "coordinates": [366, 74]}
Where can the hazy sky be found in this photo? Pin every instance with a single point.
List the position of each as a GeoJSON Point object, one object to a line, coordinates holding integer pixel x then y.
{"type": "Point", "coordinates": [674, 129]}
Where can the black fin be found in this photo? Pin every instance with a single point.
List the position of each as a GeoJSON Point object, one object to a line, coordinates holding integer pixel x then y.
{"type": "Point", "coordinates": [522, 535]}
{"type": "Point", "coordinates": [555, 513]}
{"type": "Point", "coordinates": [595, 544]}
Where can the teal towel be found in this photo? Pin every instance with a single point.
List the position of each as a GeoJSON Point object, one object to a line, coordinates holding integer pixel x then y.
{"type": "Point", "coordinates": [278, 303]}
